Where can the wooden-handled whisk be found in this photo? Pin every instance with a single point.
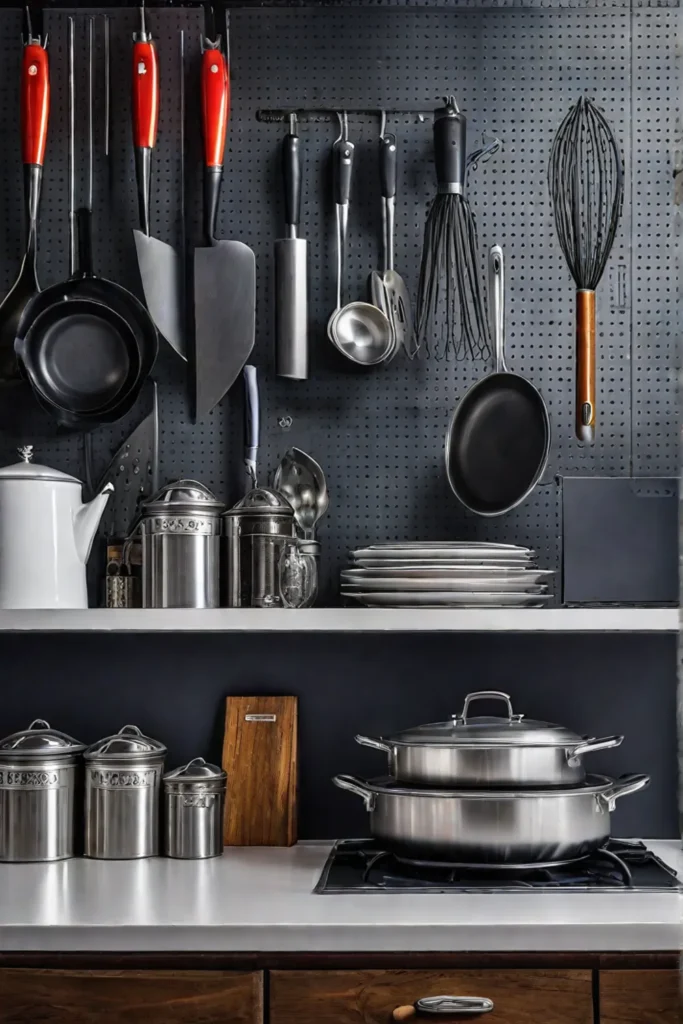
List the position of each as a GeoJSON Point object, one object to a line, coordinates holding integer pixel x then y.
{"type": "Point", "coordinates": [586, 181]}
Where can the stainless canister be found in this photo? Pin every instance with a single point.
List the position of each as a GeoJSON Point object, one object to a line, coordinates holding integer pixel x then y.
{"type": "Point", "coordinates": [194, 801]}
{"type": "Point", "coordinates": [180, 529]}
{"type": "Point", "coordinates": [39, 775]}
{"type": "Point", "coordinates": [122, 785]}
{"type": "Point", "coordinates": [251, 550]}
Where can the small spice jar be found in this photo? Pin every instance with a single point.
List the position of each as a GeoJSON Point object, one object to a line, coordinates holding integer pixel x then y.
{"type": "Point", "coordinates": [194, 801]}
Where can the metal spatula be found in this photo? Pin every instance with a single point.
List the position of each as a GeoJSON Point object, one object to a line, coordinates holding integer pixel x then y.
{"type": "Point", "coordinates": [397, 297]}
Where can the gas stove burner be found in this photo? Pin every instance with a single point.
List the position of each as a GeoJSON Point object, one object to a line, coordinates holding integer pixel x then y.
{"type": "Point", "coordinates": [357, 865]}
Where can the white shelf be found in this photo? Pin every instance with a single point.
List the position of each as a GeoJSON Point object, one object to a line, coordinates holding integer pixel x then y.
{"type": "Point", "coordinates": [345, 620]}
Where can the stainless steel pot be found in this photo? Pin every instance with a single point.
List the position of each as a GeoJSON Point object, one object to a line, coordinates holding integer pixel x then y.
{"type": "Point", "coordinates": [122, 783]}
{"type": "Point", "coordinates": [194, 801]}
{"type": "Point", "coordinates": [501, 827]}
{"type": "Point", "coordinates": [39, 773]}
{"type": "Point", "coordinates": [180, 529]}
{"type": "Point", "coordinates": [488, 751]}
{"type": "Point", "coordinates": [254, 532]}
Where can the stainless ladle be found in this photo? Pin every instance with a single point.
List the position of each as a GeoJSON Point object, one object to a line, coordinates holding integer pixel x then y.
{"type": "Point", "coordinates": [301, 480]}
{"type": "Point", "coordinates": [361, 331]}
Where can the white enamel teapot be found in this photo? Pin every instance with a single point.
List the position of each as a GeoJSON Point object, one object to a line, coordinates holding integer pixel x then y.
{"type": "Point", "coordinates": [46, 533]}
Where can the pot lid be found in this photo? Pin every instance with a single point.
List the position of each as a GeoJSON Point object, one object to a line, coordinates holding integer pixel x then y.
{"type": "Point", "coordinates": [263, 501]}
{"type": "Point", "coordinates": [197, 770]}
{"type": "Point", "coordinates": [128, 743]}
{"type": "Point", "coordinates": [28, 470]}
{"type": "Point", "coordinates": [40, 739]}
{"type": "Point", "coordinates": [183, 496]}
{"type": "Point", "coordinates": [488, 730]}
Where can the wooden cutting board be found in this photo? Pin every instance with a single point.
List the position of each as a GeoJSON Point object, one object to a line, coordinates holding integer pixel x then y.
{"type": "Point", "coordinates": [260, 758]}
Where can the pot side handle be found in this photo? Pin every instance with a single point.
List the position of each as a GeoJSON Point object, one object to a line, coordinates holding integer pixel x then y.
{"type": "Point", "coordinates": [623, 787]}
{"type": "Point", "coordinates": [376, 744]}
{"type": "Point", "coordinates": [446, 1005]}
{"type": "Point", "coordinates": [574, 754]}
{"type": "Point", "coordinates": [358, 787]}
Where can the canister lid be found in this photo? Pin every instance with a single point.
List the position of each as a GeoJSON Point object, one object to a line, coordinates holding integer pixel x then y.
{"type": "Point", "coordinates": [262, 501]}
{"type": "Point", "coordinates": [183, 496]}
{"type": "Point", "coordinates": [128, 744]}
{"type": "Point", "coordinates": [27, 470]}
{"type": "Point", "coordinates": [197, 770]}
{"type": "Point", "coordinates": [38, 741]}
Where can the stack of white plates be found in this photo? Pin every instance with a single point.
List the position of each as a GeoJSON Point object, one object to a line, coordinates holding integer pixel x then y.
{"type": "Point", "coordinates": [453, 574]}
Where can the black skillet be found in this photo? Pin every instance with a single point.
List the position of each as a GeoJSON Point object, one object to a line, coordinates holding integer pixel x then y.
{"type": "Point", "coordinates": [498, 441]}
{"type": "Point", "coordinates": [87, 344]}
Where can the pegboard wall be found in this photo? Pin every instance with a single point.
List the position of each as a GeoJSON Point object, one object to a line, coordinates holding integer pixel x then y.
{"type": "Point", "coordinates": [379, 434]}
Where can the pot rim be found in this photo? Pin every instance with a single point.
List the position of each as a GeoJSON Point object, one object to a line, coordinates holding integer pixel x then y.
{"type": "Point", "coordinates": [593, 785]}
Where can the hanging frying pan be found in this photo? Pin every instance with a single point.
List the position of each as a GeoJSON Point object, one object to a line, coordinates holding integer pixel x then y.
{"type": "Point", "coordinates": [86, 345]}
{"type": "Point", "coordinates": [498, 441]}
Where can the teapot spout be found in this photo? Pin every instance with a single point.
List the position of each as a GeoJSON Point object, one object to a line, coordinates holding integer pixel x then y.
{"type": "Point", "coordinates": [86, 521]}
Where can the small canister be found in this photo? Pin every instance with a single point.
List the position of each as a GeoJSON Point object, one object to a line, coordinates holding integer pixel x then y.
{"type": "Point", "coordinates": [194, 799]}
{"type": "Point", "coordinates": [39, 774]}
{"type": "Point", "coordinates": [180, 529]}
{"type": "Point", "coordinates": [122, 785]}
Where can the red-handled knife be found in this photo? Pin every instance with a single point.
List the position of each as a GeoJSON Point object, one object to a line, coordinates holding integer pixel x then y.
{"type": "Point", "coordinates": [215, 86]}
{"type": "Point", "coordinates": [145, 102]}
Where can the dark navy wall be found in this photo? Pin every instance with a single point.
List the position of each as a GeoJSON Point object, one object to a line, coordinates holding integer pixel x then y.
{"type": "Point", "coordinates": [174, 687]}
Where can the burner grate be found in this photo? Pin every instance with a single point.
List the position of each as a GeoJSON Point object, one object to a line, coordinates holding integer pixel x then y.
{"type": "Point", "coordinates": [363, 866]}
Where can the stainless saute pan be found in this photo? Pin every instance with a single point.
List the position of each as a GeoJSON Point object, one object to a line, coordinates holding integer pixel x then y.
{"type": "Point", "coordinates": [494, 827]}
{"type": "Point", "coordinates": [493, 751]}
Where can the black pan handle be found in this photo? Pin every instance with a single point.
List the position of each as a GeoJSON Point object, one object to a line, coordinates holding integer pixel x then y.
{"type": "Point", "coordinates": [450, 148]}
{"type": "Point", "coordinates": [84, 264]}
{"type": "Point", "coordinates": [291, 172]}
{"type": "Point", "coordinates": [387, 166]}
{"type": "Point", "coordinates": [342, 156]}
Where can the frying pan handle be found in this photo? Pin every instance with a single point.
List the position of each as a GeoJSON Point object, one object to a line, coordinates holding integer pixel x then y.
{"type": "Point", "coordinates": [291, 172]}
{"type": "Point", "coordinates": [497, 301]}
{"type": "Point", "coordinates": [387, 165]}
{"type": "Point", "coordinates": [585, 366]}
{"type": "Point", "coordinates": [145, 104]}
{"type": "Point", "coordinates": [215, 90]}
{"type": "Point", "coordinates": [84, 264]}
{"type": "Point", "coordinates": [35, 109]}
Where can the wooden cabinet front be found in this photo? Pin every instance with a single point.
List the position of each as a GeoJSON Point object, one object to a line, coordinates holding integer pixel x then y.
{"type": "Point", "coordinates": [640, 997]}
{"type": "Point", "coordinates": [130, 997]}
{"type": "Point", "coordinates": [371, 997]}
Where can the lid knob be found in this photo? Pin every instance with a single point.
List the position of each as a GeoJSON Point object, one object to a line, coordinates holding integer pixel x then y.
{"type": "Point", "coordinates": [26, 452]}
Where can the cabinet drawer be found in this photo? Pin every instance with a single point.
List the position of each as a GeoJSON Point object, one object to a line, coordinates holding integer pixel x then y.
{"type": "Point", "coordinates": [370, 997]}
{"type": "Point", "coordinates": [640, 997]}
{"type": "Point", "coordinates": [130, 997]}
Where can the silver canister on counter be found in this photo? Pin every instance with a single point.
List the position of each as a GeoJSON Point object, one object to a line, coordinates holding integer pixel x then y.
{"type": "Point", "coordinates": [122, 785]}
{"type": "Point", "coordinates": [194, 802]}
{"type": "Point", "coordinates": [180, 529]}
{"type": "Point", "coordinates": [39, 776]}
{"type": "Point", "coordinates": [253, 535]}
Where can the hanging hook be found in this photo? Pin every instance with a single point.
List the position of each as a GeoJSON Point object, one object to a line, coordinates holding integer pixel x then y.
{"type": "Point", "coordinates": [293, 124]}
{"type": "Point", "coordinates": [341, 127]}
{"type": "Point", "coordinates": [382, 123]}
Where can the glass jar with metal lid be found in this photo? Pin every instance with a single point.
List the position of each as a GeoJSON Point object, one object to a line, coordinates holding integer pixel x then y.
{"type": "Point", "coordinates": [180, 529]}
{"type": "Point", "coordinates": [194, 801]}
{"type": "Point", "coordinates": [122, 784]}
{"type": "Point", "coordinates": [39, 770]}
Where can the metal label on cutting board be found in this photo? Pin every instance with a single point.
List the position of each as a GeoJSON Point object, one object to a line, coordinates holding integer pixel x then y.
{"type": "Point", "coordinates": [260, 718]}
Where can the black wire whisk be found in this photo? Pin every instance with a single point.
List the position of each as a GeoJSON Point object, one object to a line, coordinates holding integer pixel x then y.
{"type": "Point", "coordinates": [586, 182]}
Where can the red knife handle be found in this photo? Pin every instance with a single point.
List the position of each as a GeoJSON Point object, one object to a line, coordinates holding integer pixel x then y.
{"type": "Point", "coordinates": [215, 105]}
{"type": "Point", "coordinates": [145, 95]}
{"type": "Point", "coordinates": [35, 104]}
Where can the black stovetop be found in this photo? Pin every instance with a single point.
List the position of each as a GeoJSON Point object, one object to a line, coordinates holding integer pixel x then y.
{"type": "Point", "coordinates": [360, 865]}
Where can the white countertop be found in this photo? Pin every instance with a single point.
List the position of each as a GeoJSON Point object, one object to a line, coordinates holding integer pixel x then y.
{"type": "Point", "coordinates": [261, 900]}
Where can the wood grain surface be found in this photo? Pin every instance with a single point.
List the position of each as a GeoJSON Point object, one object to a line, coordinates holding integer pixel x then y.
{"type": "Point", "coordinates": [260, 758]}
{"type": "Point", "coordinates": [130, 997]}
{"type": "Point", "coordinates": [640, 997]}
{"type": "Point", "coordinates": [350, 997]}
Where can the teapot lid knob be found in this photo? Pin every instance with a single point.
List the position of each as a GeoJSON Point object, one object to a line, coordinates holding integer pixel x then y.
{"type": "Point", "coordinates": [26, 453]}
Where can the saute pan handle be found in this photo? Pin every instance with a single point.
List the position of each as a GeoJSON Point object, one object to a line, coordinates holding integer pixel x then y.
{"type": "Point", "coordinates": [370, 741]}
{"type": "Point", "coordinates": [447, 1005]}
{"type": "Point", "coordinates": [355, 785]}
{"type": "Point", "coordinates": [622, 787]}
{"type": "Point", "coordinates": [574, 754]}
